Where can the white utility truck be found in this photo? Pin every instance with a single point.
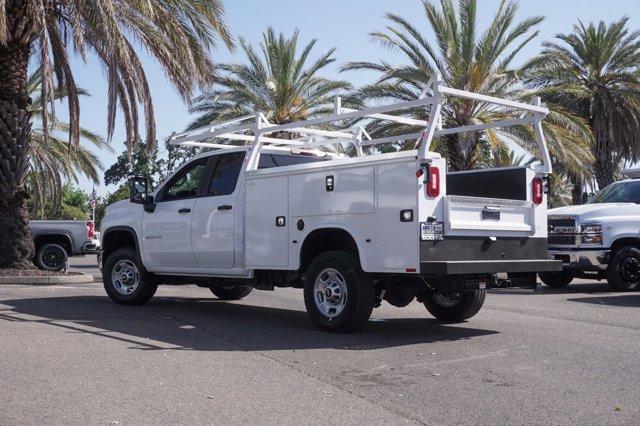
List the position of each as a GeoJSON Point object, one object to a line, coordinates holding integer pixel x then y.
{"type": "Point", "coordinates": [600, 239]}
{"type": "Point", "coordinates": [350, 231]}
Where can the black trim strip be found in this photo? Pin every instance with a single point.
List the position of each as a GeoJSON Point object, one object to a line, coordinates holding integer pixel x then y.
{"type": "Point", "coordinates": [457, 267]}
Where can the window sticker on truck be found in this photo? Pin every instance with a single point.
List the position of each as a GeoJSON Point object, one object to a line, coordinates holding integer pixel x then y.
{"type": "Point", "coordinates": [431, 231]}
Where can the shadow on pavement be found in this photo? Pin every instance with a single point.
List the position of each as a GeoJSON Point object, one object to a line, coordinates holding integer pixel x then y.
{"type": "Point", "coordinates": [168, 323]}
{"type": "Point", "coordinates": [629, 300]}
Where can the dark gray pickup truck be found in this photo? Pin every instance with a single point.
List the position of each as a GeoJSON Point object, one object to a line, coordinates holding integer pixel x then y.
{"type": "Point", "coordinates": [56, 240]}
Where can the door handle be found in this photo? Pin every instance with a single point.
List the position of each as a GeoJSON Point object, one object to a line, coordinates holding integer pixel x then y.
{"type": "Point", "coordinates": [225, 207]}
{"type": "Point", "coordinates": [184, 211]}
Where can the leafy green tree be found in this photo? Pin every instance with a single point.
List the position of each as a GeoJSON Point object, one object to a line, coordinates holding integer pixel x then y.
{"type": "Point", "coordinates": [74, 204]}
{"type": "Point", "coordinates": [141, 162]}
{"type": "Point", "coordinates": [594, 73]}
{"type": "Point", "coordinates": [280, 81]}
{"type": "Point", "coordinates": [178, 34]}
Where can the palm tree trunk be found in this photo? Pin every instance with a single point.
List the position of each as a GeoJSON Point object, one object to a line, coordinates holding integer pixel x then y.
{"type": "Point", "coordinates": [576, 191]}
{"type": "Point", "coordinates": [604, 166]}
{"type": "Point", "coordinates": [454, 153]}
{"type": "Point", "coordinates": [16, 246]}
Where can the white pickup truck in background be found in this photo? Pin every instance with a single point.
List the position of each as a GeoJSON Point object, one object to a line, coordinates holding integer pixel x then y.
{"type": "Point", "coordinates": [350, 231]}
{"type": "Point", "coordinates": [600, 239]}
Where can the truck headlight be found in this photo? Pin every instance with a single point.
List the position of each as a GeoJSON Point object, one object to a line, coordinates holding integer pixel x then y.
{"type": "Point", "coordinates": [591, 233]}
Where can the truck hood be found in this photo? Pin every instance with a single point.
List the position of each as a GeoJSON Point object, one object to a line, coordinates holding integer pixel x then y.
{"type": "Point", "coordinates": [117, 206]}
{"type": "Point", "coordinates": [587, 212]}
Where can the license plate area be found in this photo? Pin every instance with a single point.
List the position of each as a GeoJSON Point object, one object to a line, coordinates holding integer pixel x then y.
{"type": "Point", "coordinates": [431, 231]}
{"type": "Point", "coordinates": [490, 213]}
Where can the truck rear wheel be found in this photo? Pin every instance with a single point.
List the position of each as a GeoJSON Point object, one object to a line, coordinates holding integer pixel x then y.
{"type": "Point", "coordinates": [51, 257]}
{"type": "Point", "coordinates": [338, 294]}
{"type": "Point", "coordinates": [624, 268]}
{"type": "Point", "coordinates": [556, 279]}
{"type": "Point", "coordinates": [231, 292]}
{"type": "Point", "coordinates": [454, 307]}
{"type": "Point", "coordinates": [125, 279]}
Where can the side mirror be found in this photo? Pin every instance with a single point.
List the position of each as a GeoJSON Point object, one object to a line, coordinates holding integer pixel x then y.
{"type": "Point", "coordinates": [138, 190]}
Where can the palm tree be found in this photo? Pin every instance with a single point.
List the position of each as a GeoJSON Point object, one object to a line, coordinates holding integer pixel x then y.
{"type": "Point", "coordinates": [280, 81]}
{"type": "Point", "coordinates": [594, 72]}
{"type": "Point", "coordinates": [480, 64]}
{"type": "Point", "coordinates": [466, 59]}
{"type": "Point", "coordinates": [177, 33]}
{"type": "Point", "coordinates": [52, 160]}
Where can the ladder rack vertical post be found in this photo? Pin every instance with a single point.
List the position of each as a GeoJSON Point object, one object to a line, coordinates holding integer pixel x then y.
{"type": "Point", "coordinates": [540, 139]}
{"type": "Point", "coordinates": [254, 157]}
{"type": "Point", "coordinates": [434, 118]}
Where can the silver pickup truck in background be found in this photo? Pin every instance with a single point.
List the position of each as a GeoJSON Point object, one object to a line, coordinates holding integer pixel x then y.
{"type": "Point", "coordinates": [56, 240]}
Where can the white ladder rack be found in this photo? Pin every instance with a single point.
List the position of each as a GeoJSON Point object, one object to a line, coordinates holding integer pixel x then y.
{"type": "Point", "coordinates": [255, 130]}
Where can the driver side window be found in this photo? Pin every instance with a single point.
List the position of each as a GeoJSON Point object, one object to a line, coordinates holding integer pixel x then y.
{"type": "Point", "coordinates": [186, 183]}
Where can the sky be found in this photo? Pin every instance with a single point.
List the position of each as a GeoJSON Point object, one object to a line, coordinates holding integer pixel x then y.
{"type": "Point", "coordinates": [343, 24]}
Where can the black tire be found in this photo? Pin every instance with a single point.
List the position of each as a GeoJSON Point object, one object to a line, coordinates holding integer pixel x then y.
{"type": "Point", "coordinates": [358, 299]}
{"type": "Point", "coordinates": [145, 288]}
{"type": "Point", "coordinates": [556, 279]}
{"type": "Point", "coordinates": [51, 257]}
{"type": "Point", "coordinates": [231, 292]}
{"type": "Point", "coordinates": [467, 305]}
{"type": "Point", "coordinates": [624, 268]}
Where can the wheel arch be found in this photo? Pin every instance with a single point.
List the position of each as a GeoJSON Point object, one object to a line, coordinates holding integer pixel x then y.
{"type": "Point", "coordinates": [327, 238]}
{"type": "Point", "coordinates": [625, 241]}
{"type": "Point", "coordinates": [59, 238]}
{"type": "Point", "coordinates": [117, 237]}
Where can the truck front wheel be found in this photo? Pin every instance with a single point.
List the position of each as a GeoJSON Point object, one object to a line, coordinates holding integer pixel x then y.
{"type": "Point", "coordinates": [125, 279]}
{"type": "Point", "coordinates": [556, 279]}
{"type": "Point", "coordinates": [454, 307]}
{"type": "Point", "coordinates": [338, 294]}
{"type": "Point", "coordinates": [624, 268]}
{"type": "Point", "coordinates": [231, 292]}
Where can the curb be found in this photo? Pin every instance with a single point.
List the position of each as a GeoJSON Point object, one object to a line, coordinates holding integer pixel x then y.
{"type": "Point", "coordinates": [47, 280]}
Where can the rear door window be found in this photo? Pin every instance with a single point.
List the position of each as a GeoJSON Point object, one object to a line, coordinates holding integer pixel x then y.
{"type": "Point", "coordinates": [225, 173]}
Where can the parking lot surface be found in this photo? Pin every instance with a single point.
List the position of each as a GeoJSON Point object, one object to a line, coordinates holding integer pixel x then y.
{"type": "Point", "coordinates": [68, 355]}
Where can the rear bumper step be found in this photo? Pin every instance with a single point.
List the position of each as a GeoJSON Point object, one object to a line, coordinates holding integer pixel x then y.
{"type": "Point", "coordinates": [465, 267]}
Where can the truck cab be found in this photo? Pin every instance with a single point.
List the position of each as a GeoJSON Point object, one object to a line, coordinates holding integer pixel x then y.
{"type": "Point", "coordinates": [193, 224]}
{"type": "Point", "coordinates": [599, 239]}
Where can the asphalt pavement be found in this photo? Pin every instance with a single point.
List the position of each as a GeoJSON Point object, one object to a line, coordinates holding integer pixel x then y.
{"type": "Point", "coordinates": [68, 355]}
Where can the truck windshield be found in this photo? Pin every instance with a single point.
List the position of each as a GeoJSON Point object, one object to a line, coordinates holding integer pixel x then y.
{"type": "Point", "coordinates": [619, 192]}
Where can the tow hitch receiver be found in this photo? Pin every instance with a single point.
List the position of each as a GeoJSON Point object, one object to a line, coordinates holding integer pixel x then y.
{"type": "Point", "coordinates": [527, 281]}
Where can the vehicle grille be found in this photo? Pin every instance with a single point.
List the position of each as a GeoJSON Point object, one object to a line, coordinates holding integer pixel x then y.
{"type": "Point", "coordinates": [562, 231]}
{"type": "Point", "coordinates": [569, 221]}
{"type": "Point", "coordinates": [564, 240]}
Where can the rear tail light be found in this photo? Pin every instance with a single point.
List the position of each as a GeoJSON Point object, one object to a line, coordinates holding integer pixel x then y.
{"type": "Point", "coordinates": [537, 190]}
{"type": "Point", "coordinates": [433, 182]}
{"type": "Point", "coordinates": [90, 230]}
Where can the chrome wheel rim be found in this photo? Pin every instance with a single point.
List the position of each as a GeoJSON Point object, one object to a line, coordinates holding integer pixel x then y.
{"type": "Point", "coordinates": [330, 292]}
{"type": "Point", "coordinates": [448, 300]}
{"type": "Point", "coordinates": [125, 277]}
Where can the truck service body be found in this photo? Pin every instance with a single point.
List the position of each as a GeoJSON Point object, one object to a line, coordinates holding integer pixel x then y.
{"type": "Point", "coordinates": [351, 231]}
